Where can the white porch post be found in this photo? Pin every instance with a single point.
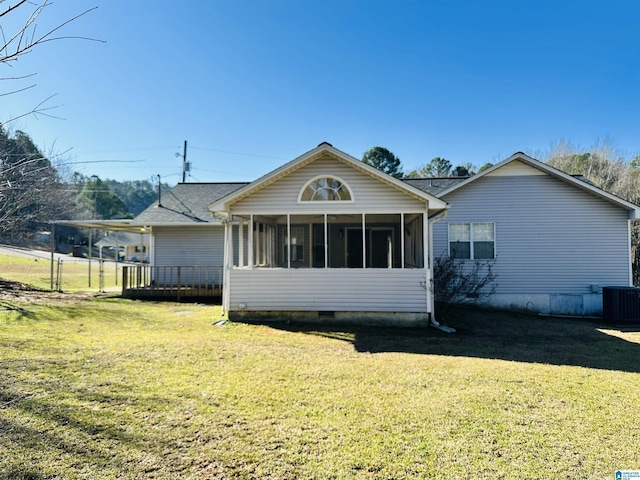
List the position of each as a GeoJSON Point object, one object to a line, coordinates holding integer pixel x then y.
{"type": "Point", "coordinates": [229, 242]}
{"type": "Point", "coordinates": [326, 243]}
{"type": "Point", "coordinates": [428, 264]}
{"type": "Point", "coordinates": [226, 271]}
{"type": "Point", "coordinates": [364, 243]}
{"type": "Point", "coordinates": [289, 240]}
{"type": "Point", "coordinates": [271, 243]}
{"type": "Point", "coordinates": [264, 245]}
{"type": "Point", "coordinates": [402, 240]}
{"type": "Point", "coordinates": [152, 246]}
{"type": "Point", "coordinates": [241, 242]}
{"type": "Point", "coordinates": [250, 234]}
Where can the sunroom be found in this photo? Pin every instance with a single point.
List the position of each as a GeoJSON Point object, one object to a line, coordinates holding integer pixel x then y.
{"type": "Point", "coordinates": [327, 237]}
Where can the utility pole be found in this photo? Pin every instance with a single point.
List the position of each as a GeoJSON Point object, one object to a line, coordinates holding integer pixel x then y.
{"type": "Point", "coordinates": [159, 194]}
{"type": "Point", "coordinates": [185, 165]}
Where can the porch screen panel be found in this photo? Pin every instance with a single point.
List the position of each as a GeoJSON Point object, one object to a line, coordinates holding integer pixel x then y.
{"type": "Point", "coordinates": [344, 235]}
{"type": "Point", "coordinates": [413, 241]}
{"type": "Point", "coordinates": [383, 241]}
{"type": "Point", "coordinates": [263, 244]}
{"type": "Point", "coordinates": [299, 237]}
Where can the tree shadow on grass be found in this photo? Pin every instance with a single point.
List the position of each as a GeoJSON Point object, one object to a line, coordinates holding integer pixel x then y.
{"type": "Point", "coordinates": [499, 335]}
{"type": "Point", "coordinates": [84, 430]}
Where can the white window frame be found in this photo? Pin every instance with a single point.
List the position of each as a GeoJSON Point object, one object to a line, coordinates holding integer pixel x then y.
{"type": "Point", "coordinates": [472, 241]}
{"type": "Point", "coordinates": [318, 177]}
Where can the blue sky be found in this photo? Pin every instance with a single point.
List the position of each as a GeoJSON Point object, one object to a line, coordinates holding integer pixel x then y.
{"type": "Point", "coordinates": [252, 84]}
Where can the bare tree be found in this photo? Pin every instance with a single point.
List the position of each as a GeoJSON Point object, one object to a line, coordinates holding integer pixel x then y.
{"type": "Point", "coordinates": [31, 190]}
{"type": "Point", "coordinates": [24, 38]}
{"type": "Point", "coordinates": [604, 165]}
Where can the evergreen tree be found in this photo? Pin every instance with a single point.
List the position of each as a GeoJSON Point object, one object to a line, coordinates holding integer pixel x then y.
{"type": "Point", "coordinates": [96, 201]}
{"type": "Point", "coordinates": [384, 160]}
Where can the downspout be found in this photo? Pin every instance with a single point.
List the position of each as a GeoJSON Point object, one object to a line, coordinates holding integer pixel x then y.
{"type": "Point", "coordinates": [435, 324]}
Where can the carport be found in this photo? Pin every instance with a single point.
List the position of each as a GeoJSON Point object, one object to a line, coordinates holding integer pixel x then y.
{"type": "Point", "coordinates": [104, 225]}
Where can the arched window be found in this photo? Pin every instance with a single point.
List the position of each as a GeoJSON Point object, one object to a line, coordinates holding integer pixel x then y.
{"type": "Point", "coordinates": [326, 189]}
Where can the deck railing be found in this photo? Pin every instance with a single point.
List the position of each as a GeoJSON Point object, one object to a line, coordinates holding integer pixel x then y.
{"type": "Point", "coordinates": [172, 282]}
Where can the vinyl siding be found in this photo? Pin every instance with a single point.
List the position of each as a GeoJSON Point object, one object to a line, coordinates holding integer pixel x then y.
{"type": "Point", "coordinates": [551, 237]}
{"type": "Point", "coordinates": [189, 245]}
{"type": "Point", "coordinates": [370, 194]}
{"type": "Point", "coordinates": [319, 289]}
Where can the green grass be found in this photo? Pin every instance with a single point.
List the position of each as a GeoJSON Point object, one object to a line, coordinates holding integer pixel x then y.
{"type": "Point", "coordinates": [112, 388]}
{"type": "Point", "coordinates": [74, 276]}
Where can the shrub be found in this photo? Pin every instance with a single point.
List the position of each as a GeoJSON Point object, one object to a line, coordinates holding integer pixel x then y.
{"type": "Point", "coordinates": [457, 282]}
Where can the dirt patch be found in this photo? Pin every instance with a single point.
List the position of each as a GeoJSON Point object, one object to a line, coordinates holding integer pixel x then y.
{"type": "Point", "coordinates": [21, 292]}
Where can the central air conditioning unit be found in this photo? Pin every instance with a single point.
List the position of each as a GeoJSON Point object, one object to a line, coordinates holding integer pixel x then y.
{"type": "Point", "coordinates": [621, 305]}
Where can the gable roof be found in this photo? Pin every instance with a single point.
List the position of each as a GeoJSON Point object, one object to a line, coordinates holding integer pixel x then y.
{"type": "Point", "coordinates": [222, 204]}
{"type": "Point", "coordinates": [554, 172]}
{"type": "Point", "coordinates": [186, 204]}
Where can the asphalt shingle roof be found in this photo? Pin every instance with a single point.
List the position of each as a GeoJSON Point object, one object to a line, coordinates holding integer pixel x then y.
{"type": "Point", "coordinates": [434, 186]}
{"type": "Point", "coordinates": [186, 203]}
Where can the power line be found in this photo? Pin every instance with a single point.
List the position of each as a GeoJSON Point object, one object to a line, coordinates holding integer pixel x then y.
{"type": "Point", "coordinates": [108, 161]}
{"type": "Point", "coordinates": [237, 153]}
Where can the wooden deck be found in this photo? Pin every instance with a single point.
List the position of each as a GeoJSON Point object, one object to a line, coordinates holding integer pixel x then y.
{"type": "Point", "coordinates": [176, 282]}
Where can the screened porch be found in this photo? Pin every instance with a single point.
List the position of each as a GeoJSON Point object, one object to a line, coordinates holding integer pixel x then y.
{"type": "Point", "coordinates": [362, 262]}
{"type": "Point", "coordinates": [329, 241]}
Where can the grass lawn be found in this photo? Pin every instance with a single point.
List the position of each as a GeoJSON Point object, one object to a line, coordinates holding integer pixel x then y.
{"type": "Point", "coordinates": [113, 388]}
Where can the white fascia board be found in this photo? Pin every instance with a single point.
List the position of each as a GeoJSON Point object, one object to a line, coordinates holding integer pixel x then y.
{"type": "Point", "coordinates": [108, 225]}
{"type": "Point", "coordinates": [214, 223]}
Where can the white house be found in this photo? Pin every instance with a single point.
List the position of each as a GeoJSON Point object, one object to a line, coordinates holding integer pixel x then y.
{"type": "Point", "coordinates": [325, 237]}
{"type": "Point", "coordinates": [555, 239]}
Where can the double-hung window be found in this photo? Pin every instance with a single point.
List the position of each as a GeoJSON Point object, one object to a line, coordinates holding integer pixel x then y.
{"type": "Point", "coordinates": [472, 241]}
